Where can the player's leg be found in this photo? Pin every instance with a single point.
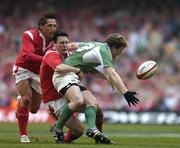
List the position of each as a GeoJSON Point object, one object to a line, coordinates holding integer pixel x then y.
{"type": "Point", "coordinates": [24, 90]}
{"type": "Point", "coordinates": [89, 108]}
{"type": "Point", "coordinates": [73, 94]}
{"type": "Point", "coordinates": [76, 129]}
{"type": "Point", "coordinates": [75, 99]}
{"type": "Point", "coordinates": [36, 92]}
{"type": "Point", "coordinates": [99, 119]}
{"type": "Point", "coordinates": [91, 99]}
{"type": "Point", "coordinates": [94, 131]}
{"type": "Point", "coordinates": [35, 101]}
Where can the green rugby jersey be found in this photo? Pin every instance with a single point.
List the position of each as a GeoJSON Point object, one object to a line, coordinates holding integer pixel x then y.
{"type": "Point", "coordinates": [89, 55]}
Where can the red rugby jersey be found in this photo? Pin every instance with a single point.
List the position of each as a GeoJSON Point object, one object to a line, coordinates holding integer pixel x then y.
{"type": "Point", "coordinates": [33, 48]}
{"type": "Point", "coordinates": [51, 59]}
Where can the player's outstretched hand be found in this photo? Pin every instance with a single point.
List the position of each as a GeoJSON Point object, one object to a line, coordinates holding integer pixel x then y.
{"type": "Point", "coordinates": [130, 98]}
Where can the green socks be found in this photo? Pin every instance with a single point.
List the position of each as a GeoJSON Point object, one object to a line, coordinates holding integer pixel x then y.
{"type": "Point", "coordinates": [65, 115]}
{"type": "Point", "coordinates": [90, 115]}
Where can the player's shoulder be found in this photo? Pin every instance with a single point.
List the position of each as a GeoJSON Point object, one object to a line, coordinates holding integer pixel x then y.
{"type": "Point", "coordinates": [91, 44]}
{"type": "Point", "coordinates": [32, 33]}
{"type": "Point", "coordinates": [51, 50]}
{"type": "Point", "coordinates": [101, 44]}
{"type": "Point", "coordinates": [104, 48]}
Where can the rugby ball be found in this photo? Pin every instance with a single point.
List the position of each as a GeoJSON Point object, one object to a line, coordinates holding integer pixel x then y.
{"type": "Point", "coordinates": [146, 70]}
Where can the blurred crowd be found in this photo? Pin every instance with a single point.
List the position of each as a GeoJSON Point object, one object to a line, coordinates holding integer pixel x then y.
{"type": "Point", "coordinates": [151, 27]}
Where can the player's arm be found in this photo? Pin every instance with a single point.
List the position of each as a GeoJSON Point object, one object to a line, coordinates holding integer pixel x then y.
{"type": "Point", "coordinates": [75, 45]}
{"type": "Point", "coordinates": [101, 75]}
{"type": "Point", "coordinates": [115, 79]}
{"type": "Point", "coordinates": [55, 62]}
{"type": "Point", "coordinates": [117, 82]}
{"type": "Point", "coordinates": [28, 49]}
{"type": "Point", "coordinates": [63, 69]}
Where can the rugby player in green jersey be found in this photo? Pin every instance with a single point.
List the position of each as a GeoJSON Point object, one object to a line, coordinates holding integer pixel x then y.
{"type": "Point", "coordinates": [87, 57]}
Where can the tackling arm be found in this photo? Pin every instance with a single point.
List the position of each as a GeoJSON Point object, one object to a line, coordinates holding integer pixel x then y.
{"type": "Point", "coordinates": [53, 60]}
{"type": "Point", "coordinates": [63, 69]}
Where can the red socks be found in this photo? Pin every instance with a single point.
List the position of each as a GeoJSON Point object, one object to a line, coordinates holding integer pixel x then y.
{"type": "Point", "coordinates": [70, 136]}
{"type": "Point", "coordinates": [22, 117]}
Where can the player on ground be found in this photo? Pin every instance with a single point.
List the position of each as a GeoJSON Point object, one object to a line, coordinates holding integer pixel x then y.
{"type": "Point", "coordinates": [53, 61]}
{"type": "Point", "coordinates": [87, 57]}
{"type": "Point", "coordinates": [26, 70]}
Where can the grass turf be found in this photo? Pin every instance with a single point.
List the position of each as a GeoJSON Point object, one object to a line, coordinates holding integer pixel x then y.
{"type": "Point", "coordinates": [124, 135]}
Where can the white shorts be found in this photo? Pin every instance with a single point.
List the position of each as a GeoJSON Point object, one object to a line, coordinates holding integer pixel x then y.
{"type": "Point", "coordinates": [60, 81]}
{"type": "Point", "coordinates": [23, 74]}
{"type": "Point", "coordinates": [57, 105]}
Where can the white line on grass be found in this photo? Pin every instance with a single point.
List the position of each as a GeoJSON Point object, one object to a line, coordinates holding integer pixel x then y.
{"type": "Point", "coordinates": [140, 134]}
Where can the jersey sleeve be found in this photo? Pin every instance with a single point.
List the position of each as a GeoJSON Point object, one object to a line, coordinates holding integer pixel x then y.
{"type": "Point", "coordinates": [28, 49]}
{"type": "Point", "coordinates": [106, 57]}
{"type": "Point", "coordinates": [52, 59]}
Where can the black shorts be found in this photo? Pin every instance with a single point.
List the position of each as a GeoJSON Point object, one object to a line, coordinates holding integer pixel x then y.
{"type": "Point", "coordinates": [64, 89]}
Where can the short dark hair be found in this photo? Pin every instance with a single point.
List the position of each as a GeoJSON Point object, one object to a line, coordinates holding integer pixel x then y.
{"type": "Point", "coordinates": [116, 40]}
{"type": "Point", "coordinates": [59, 33]}
{"type": "Point", "coordinates": [43, 19]}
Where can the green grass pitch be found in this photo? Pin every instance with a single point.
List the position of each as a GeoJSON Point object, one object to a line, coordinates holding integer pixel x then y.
{"type": "Point", "coordinates": [124, 135]}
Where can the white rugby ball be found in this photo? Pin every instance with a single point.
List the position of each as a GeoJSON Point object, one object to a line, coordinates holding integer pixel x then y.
{"type": "Point", "coordinates": [146, 70]}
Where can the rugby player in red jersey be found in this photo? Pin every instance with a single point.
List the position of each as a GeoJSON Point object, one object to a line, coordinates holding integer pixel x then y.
{"type": "Point", "coordinates": [26, 70]}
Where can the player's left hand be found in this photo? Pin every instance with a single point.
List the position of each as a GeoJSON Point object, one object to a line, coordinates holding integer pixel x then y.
{"type": "Point", "coordinates": [130, 98]}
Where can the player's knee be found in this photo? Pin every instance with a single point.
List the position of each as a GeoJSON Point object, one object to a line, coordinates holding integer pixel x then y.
{"type": "Point", "coordinates": [96, 105]}
{"type": "Point", "coordinates": [34, 110]}
{"type": "Point", "coordinates": [26, 100]}
{"type": "Point", "coordinates": [79, 103]}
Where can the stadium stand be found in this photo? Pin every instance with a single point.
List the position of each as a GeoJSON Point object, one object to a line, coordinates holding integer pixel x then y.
{"type": "Point", "coordinates": [151, 27]}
